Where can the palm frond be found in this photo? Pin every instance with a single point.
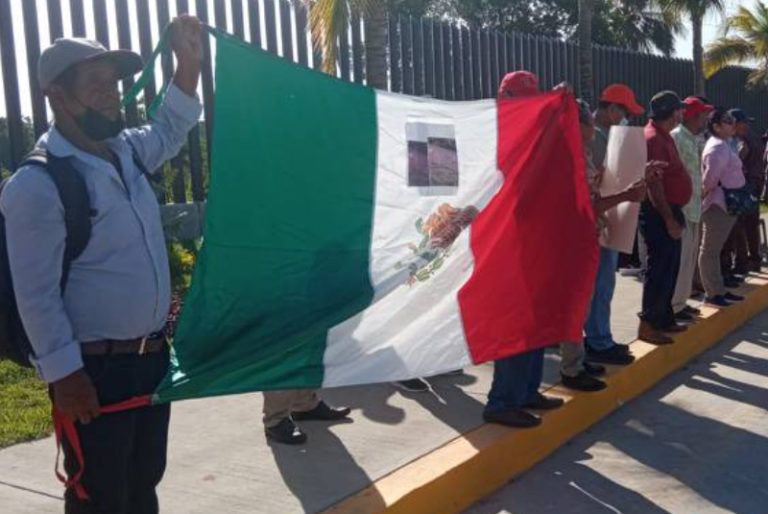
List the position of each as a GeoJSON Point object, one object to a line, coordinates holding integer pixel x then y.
{"type": "Point", "coordinates": [327, 20]}
{"type": "Point", "coordinates": [726, 51]}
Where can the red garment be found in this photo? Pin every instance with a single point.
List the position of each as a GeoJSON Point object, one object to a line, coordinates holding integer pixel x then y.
{"type": "Point", "coordinates": [678, 186]}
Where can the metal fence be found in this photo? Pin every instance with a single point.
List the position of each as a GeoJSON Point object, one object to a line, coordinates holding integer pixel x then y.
{"type": "Point", "coordinates": [427, 57]}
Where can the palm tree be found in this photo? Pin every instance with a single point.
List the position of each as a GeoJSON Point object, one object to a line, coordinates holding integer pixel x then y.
{"type": "Point", "coordinates": [329, 19]}
{"type": "Point", "coordinates": [696, 10]}
{"type": "Point", "coordinates": [745, 38]}
{"type": "Point", "coordinates": [586, 11]}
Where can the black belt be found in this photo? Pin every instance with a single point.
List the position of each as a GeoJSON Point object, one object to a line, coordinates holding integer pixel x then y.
{"type": "Point", "coordinates": [153, 343]}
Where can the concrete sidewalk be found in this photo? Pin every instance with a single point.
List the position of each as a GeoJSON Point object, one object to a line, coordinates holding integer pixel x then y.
{"type": "Point", "coordinates": [219, 460]}
{"type": "Point", "coordinates": [697, 442]}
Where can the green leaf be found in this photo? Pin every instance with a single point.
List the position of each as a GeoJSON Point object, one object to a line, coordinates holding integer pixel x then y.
{"type": "Point", "coordinates": [419, 224]}
{"type": "Point", "coordinates": [423, 275]}
{"type": "Point", "coordinates": [438, 263]}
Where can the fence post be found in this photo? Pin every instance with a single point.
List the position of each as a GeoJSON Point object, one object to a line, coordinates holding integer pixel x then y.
{"type": "Point", "coordinates": [32, 38]}
{"type": "Point", "coordinates": [11, 85]}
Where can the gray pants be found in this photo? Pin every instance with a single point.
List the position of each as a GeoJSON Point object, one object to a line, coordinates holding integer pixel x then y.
{"type": "Point", "coordinates": [572, 358]}
{"type": "Point", "coordinates": [279, 404]}
{"type": "Point", "coordinates": [716, 227]}
{"type": "Point", "coordinates": [689, 258]}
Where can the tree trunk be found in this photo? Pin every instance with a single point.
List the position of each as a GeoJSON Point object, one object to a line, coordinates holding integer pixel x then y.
{"type": "Point", "coordinates": [699, 82]}
{"type": "Point", "coordinates": [376, 27]}
{"type": "Point", "coordinates": [586, 10]}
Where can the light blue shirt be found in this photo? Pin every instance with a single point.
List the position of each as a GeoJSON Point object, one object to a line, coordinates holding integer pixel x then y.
{"type": "Point", "coordinates": [119, 288]}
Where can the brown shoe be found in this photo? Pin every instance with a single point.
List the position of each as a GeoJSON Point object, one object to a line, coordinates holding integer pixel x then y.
{"type": "Point", "coordinates": [649, 334]}
{"type": "Point", "coordinates": [675, 328]}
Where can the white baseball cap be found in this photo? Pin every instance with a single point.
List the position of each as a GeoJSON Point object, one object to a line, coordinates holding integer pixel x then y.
{"type": "Point", "coordinates": [66, 52]}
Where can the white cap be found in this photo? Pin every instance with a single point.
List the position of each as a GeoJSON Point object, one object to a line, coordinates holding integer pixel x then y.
{"type": "Point", "coordinates": [66, 52]}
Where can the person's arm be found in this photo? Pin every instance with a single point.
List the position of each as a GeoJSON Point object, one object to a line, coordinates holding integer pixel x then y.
{"type": "Point", "coordinates": [180, 111]}
{"type": "Point", "coordinates": [634, 193]}
{"type": "Point", "coordinates": [657, 195]}
{"type": "Point", "coordinates": [35, 235]}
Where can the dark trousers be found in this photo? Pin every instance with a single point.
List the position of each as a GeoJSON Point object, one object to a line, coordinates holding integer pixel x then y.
{"type": "Point", "coordinates": [124, 452]}
{"type": "Point", "coordinates": [735, 255]}
{"type": "Point", "coordinates": [663, 266]}
{"type": "Point", "coordinates": [516, 381]}
{"type": "Point", "coordinates": [752, 236]}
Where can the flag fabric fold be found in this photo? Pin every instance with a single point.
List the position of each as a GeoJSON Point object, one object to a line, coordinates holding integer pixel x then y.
{"type": "Point", "coordinates": [356, 236]}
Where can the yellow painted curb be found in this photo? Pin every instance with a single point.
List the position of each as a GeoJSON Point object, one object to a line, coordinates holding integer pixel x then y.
{"type": "Point", "coordinates": [470, 467]}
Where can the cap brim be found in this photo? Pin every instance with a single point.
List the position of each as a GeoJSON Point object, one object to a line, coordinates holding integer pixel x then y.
{"type": "Point", "coordinates": [635, 109]}
{"type": "Point", "coordinates": [126, 62]}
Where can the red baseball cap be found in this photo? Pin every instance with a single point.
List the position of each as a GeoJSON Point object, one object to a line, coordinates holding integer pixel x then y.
{"type": "Point", "coordinates": [622, 95]}
{"type": "Point", "coordinates": [519, 83]}
{"type": "Point", "coordinates": [695, 105]}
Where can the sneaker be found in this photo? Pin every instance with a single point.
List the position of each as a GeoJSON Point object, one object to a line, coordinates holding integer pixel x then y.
{"type": "Point", "coordinates": [541, 402]}
{"type": "Point", "coordinates": [684, 316]}
{"type": "Point", "coordinates": [717, 301]}
{"type": "Point", "coordinates": [596, 370]}
{"type": "Point", "coordinates": [731, 283]}
{"type": "Point", "coordinates": [415, 385]}
{"type": "Point", "coordinates": [286, 432]}
{"type": "Point", "coordinates": [583, 382]}
{"type": "Point", "coordinates": [733, 297]}
{"type": "Point", "coordinates": [323, 412]}
{"type": "Point", "coordinates": [517, 418]}
{"type": "Point", "coordinates": [613, 355]}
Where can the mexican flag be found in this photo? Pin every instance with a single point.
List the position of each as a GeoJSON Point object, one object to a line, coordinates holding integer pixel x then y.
{"type": "Point", "coordinates": [357, 236]}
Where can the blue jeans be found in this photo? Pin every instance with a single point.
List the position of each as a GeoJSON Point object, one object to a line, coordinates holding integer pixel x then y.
{"type": "Point", "coordinates": [597, 329]}
{"type": "Point", "coordinates": [516, 381]}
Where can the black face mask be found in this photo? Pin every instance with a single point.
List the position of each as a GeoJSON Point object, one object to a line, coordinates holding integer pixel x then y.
{"type": "Point", "coordinates": [97, 126]}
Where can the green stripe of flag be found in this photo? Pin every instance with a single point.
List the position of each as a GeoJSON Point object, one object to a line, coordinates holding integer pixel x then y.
{"type": "Point", "coordinates": [288, 227]}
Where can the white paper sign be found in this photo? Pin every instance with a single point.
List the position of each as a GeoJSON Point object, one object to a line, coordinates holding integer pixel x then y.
{"type": "Point", "coordinates": [624, 165]}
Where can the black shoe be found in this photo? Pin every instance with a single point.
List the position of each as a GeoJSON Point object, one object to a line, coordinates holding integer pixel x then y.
{"type": "Point", "coordinates": [683, 316]}
{"type": "Point", "coordinates": [733, 297]}
{"type": "Point", "coordinates": [541, 402]}
{"type": "Point", "coordinates": [583, 382]}
{"type": "Point", "coordinates": [286, 432]}
{"type": "Point", "coordinates": [717, 301]}
{"type": "Point", "coordinates": [323, 412]}
{"type": "Point", "coordinates": [731, 283]}
{"type": "Point", "coordinates": [415, 385]}
{"type": "Point", "coordinates": [693, 311]}
{"type": "Point", "coordinates": [613, 355]}
{"type": "Point", "coordinates": [674, 328]}
{"type": "Point", "coordinates": [513, 418]}
{"type": "Point", "coordinates": [596, 370]}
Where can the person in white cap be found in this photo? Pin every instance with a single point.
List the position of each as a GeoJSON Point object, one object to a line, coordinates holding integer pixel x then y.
{"type": "Point", "coordinates": [99, 340]}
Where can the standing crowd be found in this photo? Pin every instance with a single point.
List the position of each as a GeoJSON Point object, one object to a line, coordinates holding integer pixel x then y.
{"type": "Point", "coordinates": [699, 227]}
{"type": "Point", "coordinates": [95, 324]}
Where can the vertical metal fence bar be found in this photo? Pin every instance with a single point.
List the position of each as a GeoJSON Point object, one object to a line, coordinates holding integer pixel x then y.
{"type": "Point", "coordinates": [201, 8]}
{"type": "Point", "coordinates": [429, 57]}
{"type": "Point", "coordinates": [466, 57]}
{"type": "Point", "coordinates": [55, 24]}
{"type": "Point", "coordinates": [124, 40]}
{"type": "Point", "coordinates": [458, 71]}
{"type": "Point", "coordinates": [395, 59]}
{"type": "Point", "coordinates": [146, 45]}
{"type": "Point", "coordinates": [494, 57]}
{"type": "Point", "coordinates": [271, 25]}
{"type": "Point", "coordinates": [439, 61]}
{"type": "Point", "coordinates": [485, 64]}
{"type": "Point", "coordinates": [287, 34]}
{"type": "Point", "coordinates": [358, 50]}
{"type": "Point", "coordinates": [32, 37]}
{"type": "Point", "coordinates": [447, 61]}
{"type": "Point", "coordinates": [11, 86]}
{"type": "Point", "coordinates": [418, 56]}
{"type": "Point", "coordinates": [254, 21]}
{"type": "Point", "coordinates": [101, 22]}
{"type": "Point", "coordinates": [477, 71]}
{"type": "Point", "coordinates": [406, 54]}
{"type": "Point", "coordinates": [237, 18]}
{"type": "Point", "coordinates": [77, 14]}
{"type": "Point", "coordinates": [220, 14]}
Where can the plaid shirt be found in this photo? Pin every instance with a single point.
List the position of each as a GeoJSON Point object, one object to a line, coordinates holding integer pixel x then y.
{"type": "Point", "coordinates": [690, 148]}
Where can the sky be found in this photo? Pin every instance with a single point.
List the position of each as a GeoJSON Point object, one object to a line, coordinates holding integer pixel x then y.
{"type": "Point", "coordinates": [712, 25]}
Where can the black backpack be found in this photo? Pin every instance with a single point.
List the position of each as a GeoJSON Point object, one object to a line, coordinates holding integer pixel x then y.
{"type": "Point", "coordinates": [73, 193]}
{"type": "Point", "coordinates": [14, 344]}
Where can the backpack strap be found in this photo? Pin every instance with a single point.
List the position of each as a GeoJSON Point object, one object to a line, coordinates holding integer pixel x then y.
{"type": "Point", "coordinates": [139, 164]}
{"type": "Point", "coordinates": [74, 197]}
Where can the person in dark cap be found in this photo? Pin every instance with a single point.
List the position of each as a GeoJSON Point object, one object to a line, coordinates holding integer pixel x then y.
{"type": "Point", "coordinates": [662, 221]}
{"type": "Point", "coordinates": [102, 341]}
{"type": "Point", "coordinates": [746, 249]}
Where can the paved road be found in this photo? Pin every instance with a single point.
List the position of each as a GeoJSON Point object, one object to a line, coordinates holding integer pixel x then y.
{"type": "Point", "coordinates": [696, 443]}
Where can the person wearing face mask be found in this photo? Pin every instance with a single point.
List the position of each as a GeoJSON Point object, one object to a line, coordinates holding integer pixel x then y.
{"type": "Point", "coordinates": [100, 340]}
{"type": "Point", "coordinates": [662, 221]}
{"type": "Point", "coordinates": [690, 145]}
{"type": "Point", "coordinates": [721, 168]}
{"type": "Point", "coordinates": [617, 102]}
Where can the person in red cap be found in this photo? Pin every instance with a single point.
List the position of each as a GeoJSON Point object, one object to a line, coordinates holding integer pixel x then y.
{"type": "Point", "coordinates": [690, 145]}
{"type": "Point", "coordinates": [617, 103]}
{"type": "Point", "coordinates": [516, 379]}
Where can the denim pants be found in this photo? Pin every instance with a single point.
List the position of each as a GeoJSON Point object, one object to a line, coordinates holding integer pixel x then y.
{"type": "Point", "coordinates": [516, 381]}
{"type": "Point", "coordinates": [597, 329]}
